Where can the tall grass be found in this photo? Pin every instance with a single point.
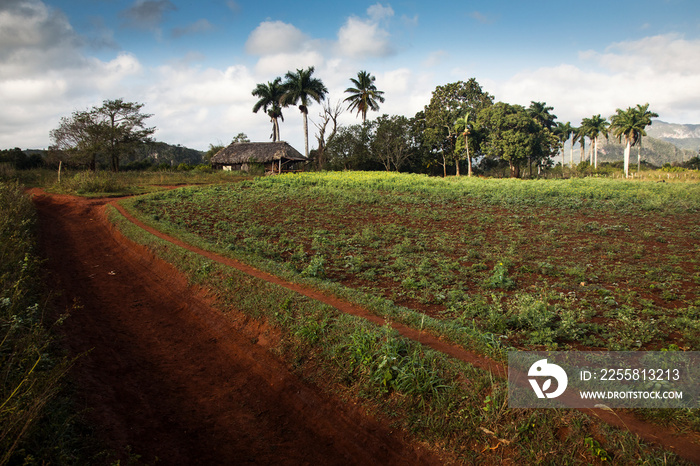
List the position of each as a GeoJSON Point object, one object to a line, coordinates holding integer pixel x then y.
{"type": "Point", "coordinates": [37, 424]}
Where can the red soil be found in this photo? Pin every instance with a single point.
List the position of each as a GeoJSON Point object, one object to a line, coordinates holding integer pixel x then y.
{"type": "Point", "coordinates": [166, 374]}
{"type": "Point", "coordinates": [173, 378]}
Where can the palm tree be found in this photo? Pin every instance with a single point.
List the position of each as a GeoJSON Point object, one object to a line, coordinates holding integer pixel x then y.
{"type": "Point", "coordinates": [646, 116]}
{"type": "Point", "coordinates": [594, 127]}
{"type": "Point", "coordinates": [580, 136]}
{"type": "Point", "coordinates": [269, 96]}
{"type": "Point", "coordinates": [540, 112]}
{"type": "Point", "coordinates": [299, 88]}
{"type": "Point", "coordinates": [464, 126]}
{"type": "Point", "coordinates": [627, 123]}
{"type": "Point", "coordinates": [364, 95]}
{"type": "Point", "coordinates": [564, 131]}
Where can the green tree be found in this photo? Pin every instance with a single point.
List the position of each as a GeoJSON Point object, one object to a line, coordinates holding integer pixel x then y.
{"type": "Point", "coordinates": [364, 95]}
{"type": "Point", "coordinates": [580, 137]}
{"type": "Point", "coordinates": [391, 142]}
{"type": "Point", "coordinates": [211, 152]}
{"type": "Point", "coordinates": [240, 137]}
{"type": "Point", "coordinates": [564, 131]}
{"type": "Point", "coordinates": [123, 127]}
{"type": "Point", "coordinates": [269, 96]}
{"type": "Point", "coordinates": [629, 124]}
{"type": "Point", "coordinates": [79, 137]}
{"type": "Point", "coordinates": [540, 112]}
{"type": "Point", "coordinates": [350, 149]}
{"type": "Point", "coordinates": [464, 127]}
{"type": "Point", "coordinates": [115, 129]}
{"type": "Point", "coordinates": [645, 116]}
{"type": "Point", "coordinates": [594, 127]}
{"type": "Point", "coordinates": [448, 104]}
{"type": "Point", "coordinates": [513, 135]}
{"type": "Point", "coordinates": [300, 88]}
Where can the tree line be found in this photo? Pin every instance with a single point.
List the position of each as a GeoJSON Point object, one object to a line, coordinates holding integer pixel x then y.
{"type": "Point", "coordinates": [460, 125]}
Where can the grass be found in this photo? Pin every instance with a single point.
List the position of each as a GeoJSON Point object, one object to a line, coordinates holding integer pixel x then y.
{"type": "Point", "coordinates": [38, 421]}
{"type": "Point", "coordinates": [576, 250]}
{"type": "Point", "coordinates": [436, 398]}
{"type": "Point", "coordinates": [105, 183]}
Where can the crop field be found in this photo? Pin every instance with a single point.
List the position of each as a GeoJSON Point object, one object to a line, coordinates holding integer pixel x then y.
{"type": "Point", "coordinates": [570, 264]}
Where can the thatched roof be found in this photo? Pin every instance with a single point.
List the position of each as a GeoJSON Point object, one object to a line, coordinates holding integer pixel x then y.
{"type": "Point", "coordinates": [261, 152]}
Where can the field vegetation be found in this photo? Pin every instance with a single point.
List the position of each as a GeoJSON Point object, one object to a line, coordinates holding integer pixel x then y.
{"type": "Point", "coordinates": [489, 264]}
{"type": "Point", "coordinates": [38, 421]}
{"type": "Point", "coordinates": [588, 263]}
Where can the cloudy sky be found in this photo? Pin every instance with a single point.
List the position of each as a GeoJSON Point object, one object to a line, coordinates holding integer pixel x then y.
{"type": "Point", "coordinates": [194, 64]}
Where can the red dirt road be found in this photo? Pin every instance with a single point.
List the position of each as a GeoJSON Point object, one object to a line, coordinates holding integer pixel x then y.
{"type": "Point", "coordinates": [171, 377]}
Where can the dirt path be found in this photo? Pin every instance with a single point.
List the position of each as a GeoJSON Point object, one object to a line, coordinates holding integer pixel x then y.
{"type": "Point", "coordinates": [170, 376]}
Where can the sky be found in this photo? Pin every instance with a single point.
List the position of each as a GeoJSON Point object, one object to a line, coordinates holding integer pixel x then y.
{"type": "Point", "coordinates": [194, 64]}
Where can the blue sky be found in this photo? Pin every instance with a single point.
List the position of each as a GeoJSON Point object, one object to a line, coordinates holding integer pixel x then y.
{"type": "Point", "coordinates": [194, 64]}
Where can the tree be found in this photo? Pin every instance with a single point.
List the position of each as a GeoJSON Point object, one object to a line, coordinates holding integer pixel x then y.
{"type": "Point", "coordinates": [593, 127]}
{"type": "Point", "coordinates": [80, 137]}
{"type": "Point", "coordinates": [448, 104]}
{"type": "Point", "coordinates": [364, 95]}
{"type": "Point", "coordinates": [630, 125]}
{"type": "Point", "coordinates": [124, 128]}
{"type": "Point", "coordinates": [513, 135]}
{"type": "Point", "coordinates": [240, 137]}
{"type": "Point", "coordinates": [465, 126]}
{"type": "Point", "coordinates": [580, 137]}
{"type": "Point", "coordinates": [301, 88]}
{"type": "Point", "coordinates": [645, 116]}
{"type": "Point", "coordinates": [540, 112]}
{"type": "Point", "coordinates": [115, 129]}
{"type": "Point", "coordinates": [211, 152]}
{"type": "Point", "coordinates": [269, 97]}
{"type": "Point", "coordinates": [392, 141]}
{"type": "Point", "coordinates": [350, 149]}
{"type": "Point", "coordinates": [329, 115]}
{"type": "Point", "coordinates": [564, 131]}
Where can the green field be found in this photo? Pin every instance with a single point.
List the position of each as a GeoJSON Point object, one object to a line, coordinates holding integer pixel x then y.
{"type": "Point", "coordinates": [584, 263]}
{"type": "Point", "coordinates": [459, 258]}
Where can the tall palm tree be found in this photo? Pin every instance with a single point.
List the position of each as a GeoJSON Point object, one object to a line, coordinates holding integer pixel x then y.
{"type": "Point", "coordinates": [564, 131]}
{"type": "Point", "coordinates": [645, 115]}
{"type": "Point", "coordinates": [540, 112]}
{"type": "Point", "coordinates": [364, 95]}
{"type": "Point", "coordinates": [628, 124]}
{"type": "Point", "coordinates": [593, 127]}
{"type": "Point", "coordinates": [300, 88]}
{"type": "Point", "coordinates": [269, 96]}
{"type": "Point", "coordinates": [580, 136]}
{"type": "Point", "coordinates": [465, 126]}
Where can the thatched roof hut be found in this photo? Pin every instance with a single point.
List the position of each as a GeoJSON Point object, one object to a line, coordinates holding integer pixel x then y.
{"type": "Point", "coordinates": [276, 157]}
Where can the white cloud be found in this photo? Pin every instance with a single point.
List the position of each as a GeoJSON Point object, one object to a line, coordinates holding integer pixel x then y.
{"type": "Point", "coordinates": [34, 38]}
{"type": "Point", "coordinates": [435, 58]}
{"type": "Point", "coordinates": [661, 70]}
{"type": "Point", "coordinates": [379, 12]}
{"type": "Point", "coordinates": [275, 37]}
{"type": "Point", "coordinates": [364, 38]}
{"type": "Point", "coordinates": [279, 64]}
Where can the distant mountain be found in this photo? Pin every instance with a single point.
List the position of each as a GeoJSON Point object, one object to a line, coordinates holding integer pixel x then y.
{"type": "Point", "coordinates": [682, 136]}
{"type": "Point", "coordinates": [654, 151]}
